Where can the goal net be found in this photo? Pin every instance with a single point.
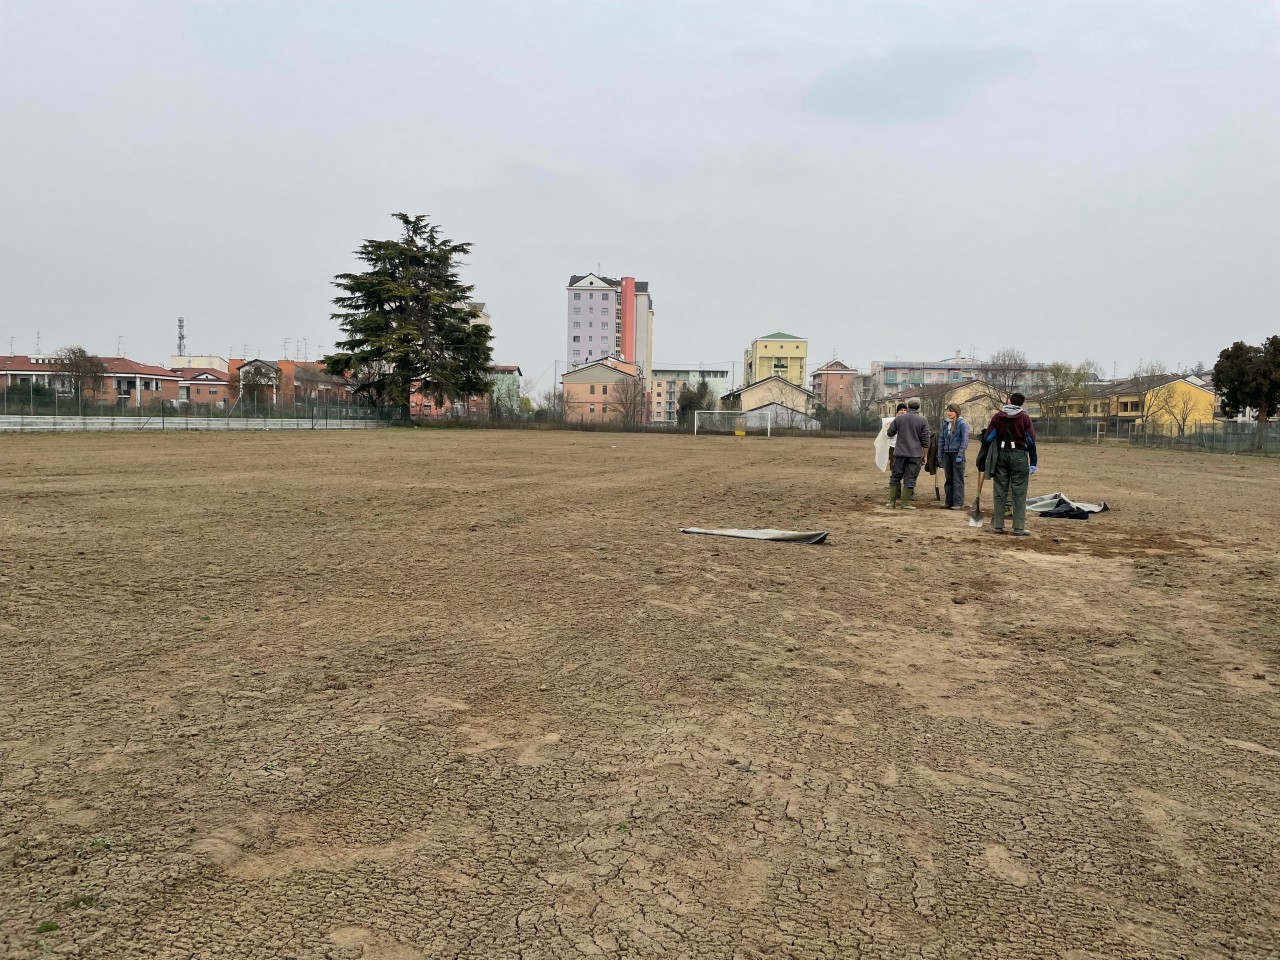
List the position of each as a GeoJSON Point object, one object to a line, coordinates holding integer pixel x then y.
{"type": "Point", "coordinates": [733, 422]}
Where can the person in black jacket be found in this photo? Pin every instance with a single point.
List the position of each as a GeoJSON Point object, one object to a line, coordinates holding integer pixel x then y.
{"type": "Point", "coordinates": [1009, 450]}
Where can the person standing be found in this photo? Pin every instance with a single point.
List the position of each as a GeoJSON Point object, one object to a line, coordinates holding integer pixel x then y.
{"type": "Point", "coordinates": [953, 446]}
{"type": "Point", "coordinates": [892, 439]}
{"type": "Point", "coordinates": [1011, 460]}
{"type": "Point", "coordinates": [911, 431]}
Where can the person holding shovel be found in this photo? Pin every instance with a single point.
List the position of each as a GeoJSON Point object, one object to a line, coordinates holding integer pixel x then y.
{"type": "Point", "coordinates": [910, 433]}
{"type": "Point", "coordinates": [1010, 442]}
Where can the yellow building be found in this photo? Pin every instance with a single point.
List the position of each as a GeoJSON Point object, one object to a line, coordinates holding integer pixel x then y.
{"type": "Point", "coordinates": [1171, 405]}
{"type": "Point", "coordinates": [777, 355]}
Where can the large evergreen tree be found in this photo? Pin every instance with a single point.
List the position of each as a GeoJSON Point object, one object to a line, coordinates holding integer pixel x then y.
{"type": "Point", "coordinates": [409, 321]}
{"type": "Point", "coordinates": [1248, 377]}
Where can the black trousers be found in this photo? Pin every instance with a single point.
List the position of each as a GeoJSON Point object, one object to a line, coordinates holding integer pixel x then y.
{"type": "Point", "coordinates": [904, 472]}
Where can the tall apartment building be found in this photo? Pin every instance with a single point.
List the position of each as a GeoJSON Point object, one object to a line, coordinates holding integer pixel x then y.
{"type": "Point", "coordinates": [665, 387]}
{"type": "Point", "coordinates": [777, 355]}
{"type": "Point", "coordinates": [608, 318]}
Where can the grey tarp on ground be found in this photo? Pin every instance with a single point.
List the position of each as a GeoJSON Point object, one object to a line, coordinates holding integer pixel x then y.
{"type": "Point", "coordinates": [788, 536]}
{"type": "Point", "coordinates": [1051, 501]}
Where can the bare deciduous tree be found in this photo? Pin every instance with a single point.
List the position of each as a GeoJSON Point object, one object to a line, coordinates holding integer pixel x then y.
{"type": "Point", "coordinates": [1064, 384]}
{"type": "Point", "coordinates": [254, 383]}
{"type": "Point", "coordinates": [551, 405]}
{"type": "Point", "coordinates": [81, 371]}
{"type": "Point", "coordinates": [867, 399]}
{"type": "Point", "coordinates": [933, 401]}
{"type": "Point", "coordinates": [629, 395]}
{"type": "Point", "coordinates": [1003, 374]}
{"type": "Point", "coordinates": [1182, 406]}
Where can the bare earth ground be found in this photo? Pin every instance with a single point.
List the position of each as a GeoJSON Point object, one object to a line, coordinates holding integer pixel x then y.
{"type": "Point", "coordinates": [402, 694]}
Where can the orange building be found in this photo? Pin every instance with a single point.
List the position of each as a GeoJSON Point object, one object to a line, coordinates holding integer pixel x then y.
{"type": "Point", "coordinates": [609, 391]}
{"type": "Point", "coordinates": [835, 387]}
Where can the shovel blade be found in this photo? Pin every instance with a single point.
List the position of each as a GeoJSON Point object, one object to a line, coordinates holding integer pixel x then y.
{"type": "Point", "coordinates": [975, 516]}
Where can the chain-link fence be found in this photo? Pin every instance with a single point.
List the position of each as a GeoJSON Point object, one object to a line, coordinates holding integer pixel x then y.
{"type": "Point", "coordinates": [32, 407]}
{"type": "Point", "coordinates": [1221, 436]}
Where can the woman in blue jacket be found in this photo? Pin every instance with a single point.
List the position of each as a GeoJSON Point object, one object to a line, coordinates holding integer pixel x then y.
{"type": "Point", "coordinates": [953, 446]}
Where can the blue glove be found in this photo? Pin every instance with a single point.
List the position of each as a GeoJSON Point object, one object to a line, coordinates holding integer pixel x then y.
{"type": "Point", "coordinates": [959, 459]}
{"type": "Point", "coordinates": [1033, 469]}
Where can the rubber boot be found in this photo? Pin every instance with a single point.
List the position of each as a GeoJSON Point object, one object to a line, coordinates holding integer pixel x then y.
{"type": "Point", "coordinates": [907, 496]}
{"type": "Point", "coordinates": [894, 493]}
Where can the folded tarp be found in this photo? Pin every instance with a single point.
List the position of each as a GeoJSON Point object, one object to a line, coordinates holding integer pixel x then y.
{"type": "Point", "coordinates": [1058, 506]}
{"type": "Point", "coordinates": [788, 536]}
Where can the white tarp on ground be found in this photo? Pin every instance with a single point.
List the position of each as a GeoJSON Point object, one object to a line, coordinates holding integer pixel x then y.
{"type": "Point", "coordinates": [1053, 501]}
{"type": "Point", "coordinates": [788, 536]}
{"type": "Point", "coordinates": [882, 444]}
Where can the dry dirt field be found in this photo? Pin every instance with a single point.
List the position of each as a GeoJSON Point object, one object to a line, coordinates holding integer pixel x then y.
{"type": "Point", "coordinates": [410, 694]}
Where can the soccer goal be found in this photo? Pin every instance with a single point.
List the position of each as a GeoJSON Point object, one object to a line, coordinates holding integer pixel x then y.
{"type": "Point", "coordinates": [734, 422]}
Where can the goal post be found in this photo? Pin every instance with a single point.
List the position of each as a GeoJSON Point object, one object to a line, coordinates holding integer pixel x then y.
{"type": "Point", "coordinates": [736, 423]}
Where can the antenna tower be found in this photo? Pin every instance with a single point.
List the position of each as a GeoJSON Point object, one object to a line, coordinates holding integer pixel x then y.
{"type": "Point", "coordinates": [119, 346]}
{"type": "Point", "coordinates": [182, 337]}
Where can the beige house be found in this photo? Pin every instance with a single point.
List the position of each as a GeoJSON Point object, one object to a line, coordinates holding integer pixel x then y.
{"type": "Point", "coordinates": [608, 391]}
{"type": "Point", "coordinates": [764, 392]}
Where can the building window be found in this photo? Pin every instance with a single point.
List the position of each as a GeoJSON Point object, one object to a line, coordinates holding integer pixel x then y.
{"type": "Point", "coordinates": [577, 310]}
{"type": "Point", "coordinates": [591, 296]}
{"type": "Point", "coordinates": [577, 296]}
{"type": "Point", "coordinates": [577, 339]}
{"type": "Point", "coordinates": [604, 408]}
{"type": "Point", "coordinates": [591, 323]}
{"type": "Point", "coordinates": [591, 309]}
{"type": "Point", "coordinates": [593, 388]}
{"type": "Point", "coordinates": [577, 324]}
{"type": "Point", "coordinates": [591, 407]}
{"type": "Point", "coordinates": [604, 324]}
{"type": "Point", "coordinates": [213, 391]}
{"type": "Point", "coordinates": [577, 353]}
{"type": "Point", "coordinates": [604, 388]}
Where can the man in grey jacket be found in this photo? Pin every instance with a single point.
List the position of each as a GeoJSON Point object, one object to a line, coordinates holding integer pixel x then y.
{"type": "Point", "coordinates": [912, 432]}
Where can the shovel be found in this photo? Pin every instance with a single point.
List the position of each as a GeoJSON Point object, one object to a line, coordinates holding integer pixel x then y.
{"type": "Point", "coordinates": [975, 515]}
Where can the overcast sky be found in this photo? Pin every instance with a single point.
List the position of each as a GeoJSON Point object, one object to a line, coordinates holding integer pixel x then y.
{"type": "Point", "coordinates": [890, 179]}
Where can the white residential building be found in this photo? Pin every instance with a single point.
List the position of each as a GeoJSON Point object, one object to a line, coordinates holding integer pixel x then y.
{"type": "Point", "coordinates": [608, 318]}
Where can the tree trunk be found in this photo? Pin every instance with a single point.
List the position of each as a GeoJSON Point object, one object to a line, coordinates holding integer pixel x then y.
{"type": "Point", "coordinates": [1260, 435]}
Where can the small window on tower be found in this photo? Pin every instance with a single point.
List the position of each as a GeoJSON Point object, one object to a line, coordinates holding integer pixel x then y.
{"type": "Point", "coordinates": [577, 296]}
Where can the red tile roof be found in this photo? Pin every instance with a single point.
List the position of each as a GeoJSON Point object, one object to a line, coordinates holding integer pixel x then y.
{"type": "Point", "coordinates": [124, 367]}
{"type": "Point", "coordinates": [116, 367]}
